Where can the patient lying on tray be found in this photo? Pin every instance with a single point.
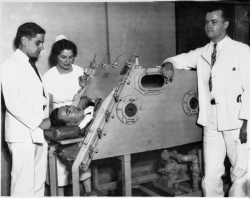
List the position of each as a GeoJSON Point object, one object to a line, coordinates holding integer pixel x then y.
{"type": "Point", "coordinates": [73, 116]}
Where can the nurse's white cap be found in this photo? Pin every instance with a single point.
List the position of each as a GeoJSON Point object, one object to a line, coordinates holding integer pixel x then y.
{"type": "Point", "coordinates": [60, 37]}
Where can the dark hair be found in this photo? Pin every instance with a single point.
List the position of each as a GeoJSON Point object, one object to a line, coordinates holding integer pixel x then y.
{"type": "Point", "coordinates": [226, 15]}
{"type": "Point", "coordinates": [58, 47]}
{"type": "Point", "coordinates": [29, 30]}
{"type": "Point", "coordinates": [55, 121]}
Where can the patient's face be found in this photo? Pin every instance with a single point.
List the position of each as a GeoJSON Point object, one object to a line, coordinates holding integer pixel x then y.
{"type": "Point", "coordinates": [72, 115]}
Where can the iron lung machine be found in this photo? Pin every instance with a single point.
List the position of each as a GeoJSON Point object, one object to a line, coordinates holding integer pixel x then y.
{"type": "Point", "coordinates": [139, 114]}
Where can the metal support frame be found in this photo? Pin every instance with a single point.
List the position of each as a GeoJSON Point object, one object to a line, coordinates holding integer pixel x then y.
{"type": "Point", "coordinates": [75, 179]}
{"type": "Point", "coordinates": [147, 191]}
{"type": "Point", "coordinates": [95, 177]}
{"type": "Point", "coordinates": [126, 175]}
{"type": "Point", "coordinates": [53, 170]}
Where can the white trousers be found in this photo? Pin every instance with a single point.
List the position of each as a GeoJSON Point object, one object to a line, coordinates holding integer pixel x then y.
{"type": "Point", "coordinates": [29, 165]}
{"type": "Point", "coordinates": [248, 181]}
{"type": "Point", "coordinates": [216, 145]}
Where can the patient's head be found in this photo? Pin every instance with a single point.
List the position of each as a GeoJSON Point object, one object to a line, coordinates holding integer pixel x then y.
{"type": "Point", "coordinates": [66, 116]}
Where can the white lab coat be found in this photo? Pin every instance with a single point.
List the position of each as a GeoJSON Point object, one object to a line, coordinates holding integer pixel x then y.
{"type": "Point", "coordinates": [23, 94]}
{"type": "Point", "coordinates": [230, 79]}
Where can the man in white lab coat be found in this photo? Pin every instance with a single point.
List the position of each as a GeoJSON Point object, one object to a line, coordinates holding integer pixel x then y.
{"type": "Point", "coordinates": [26, 113]}
{"type": "Point", "coordinates": [223, 70]}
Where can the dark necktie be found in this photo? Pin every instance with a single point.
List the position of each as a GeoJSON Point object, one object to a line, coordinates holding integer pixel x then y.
{"type": "Point", "coordinates": [34, 67]}
{"type": "Point", "coordinates": [213, 59]}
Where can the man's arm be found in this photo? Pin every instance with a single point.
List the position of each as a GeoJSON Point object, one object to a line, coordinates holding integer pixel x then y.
{"type": "Point", "coordinates": [184, 61]}
{"type": "Point", "coordinates": [245, 96]}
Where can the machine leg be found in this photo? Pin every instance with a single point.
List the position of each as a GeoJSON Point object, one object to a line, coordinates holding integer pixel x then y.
{"type": "Point", "coordinates": [95, 177]}
{"type": "Point", "coordinates": [53, 172]}
{"type": "Point", "coordinates": [126, 175]}
{"type": "Point", "coordinates": [75, 179]}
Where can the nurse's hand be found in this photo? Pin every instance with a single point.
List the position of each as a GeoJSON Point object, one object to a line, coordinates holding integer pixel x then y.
{"type": "Point", "coordinates": [82, 80]}
{"type": "Point", "coordinates": [45, 124]}
{"type": "Point", "coordinates": [167, 71]}
{"type": "Point", "coordinates": [243, 132]}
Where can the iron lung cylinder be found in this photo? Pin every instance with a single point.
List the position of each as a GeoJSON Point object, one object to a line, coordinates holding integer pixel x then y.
{"type": "Point", "coordinates": [149, 114]}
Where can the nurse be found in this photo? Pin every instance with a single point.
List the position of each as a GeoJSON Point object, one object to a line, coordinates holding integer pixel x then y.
{"type": "Point", "coordinates": [62, 84]}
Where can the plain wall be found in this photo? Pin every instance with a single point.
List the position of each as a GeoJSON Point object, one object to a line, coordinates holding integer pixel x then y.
{"type": "Point", "coordinates": [97, 28]}
{"type": "Point", "coordinates": [82, 23]}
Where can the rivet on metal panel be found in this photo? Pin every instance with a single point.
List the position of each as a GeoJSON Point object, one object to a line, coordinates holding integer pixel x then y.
{"type": "Point", "coordinates": [94, 65]}
{"type": "Point", "coordinates": [104, 133]}
{"type": "Point", "coordinates": [99, 133]}
{"type": "Point", "coordinates": [107, 115]}
{"type": "Point", "coordinates": [91, 151]}
{"type": "Point", "coordinates": [104, 65]}
{"type": "Point", "coordinates": [116, 98]}
{"type": "Point", "coordinates": [116, 63]}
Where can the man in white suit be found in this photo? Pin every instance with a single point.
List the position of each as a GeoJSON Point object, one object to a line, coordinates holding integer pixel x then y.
{"type": "Point", "coordinates": [223, 80]}
{"type": "Point", "coordinates": [26, 113]}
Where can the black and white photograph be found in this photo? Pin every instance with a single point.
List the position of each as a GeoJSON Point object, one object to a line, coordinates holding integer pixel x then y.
{"type": "Point", "coordinates": [125, 98]}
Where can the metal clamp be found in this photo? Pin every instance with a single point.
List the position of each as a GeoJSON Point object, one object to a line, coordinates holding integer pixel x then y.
{"type": "Point", "coordinates": [116, 63]}
{"type": "Point", "coordinates": [104, 65]}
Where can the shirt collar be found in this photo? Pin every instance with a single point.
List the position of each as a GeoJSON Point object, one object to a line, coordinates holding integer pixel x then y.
{"type": "Point", "coordinates": [22, 56]}
{"type": "Point", "coordinates": [220, 45]}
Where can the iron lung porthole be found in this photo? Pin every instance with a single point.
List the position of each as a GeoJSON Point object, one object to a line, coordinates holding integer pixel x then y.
{"type": "Point", "coordinates": [128, 110]}
{"type": "Point", "coordinates": [190, 103]}
{"type": "Point", "coordinates": [152, 81]}
{"type": "Point", "coordinates": [149, 83]}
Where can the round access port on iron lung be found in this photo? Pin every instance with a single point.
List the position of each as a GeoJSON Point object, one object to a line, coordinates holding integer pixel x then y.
{"type": "Point", "coordinates": [128, 110]}
{"type": "Point", "coordinates": [190, 103]}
